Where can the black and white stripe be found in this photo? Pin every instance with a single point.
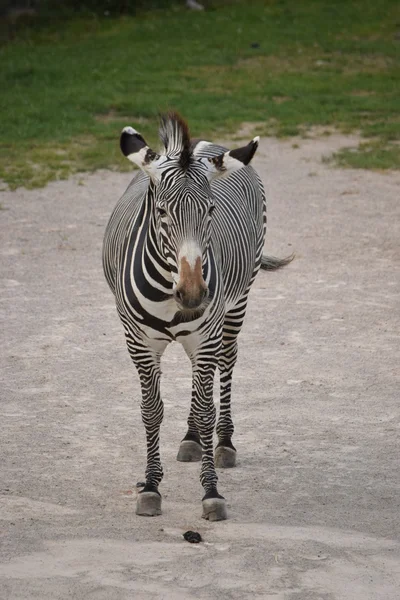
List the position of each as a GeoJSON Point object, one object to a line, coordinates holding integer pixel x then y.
{"type": "Point", "coordinates": [194, 201]}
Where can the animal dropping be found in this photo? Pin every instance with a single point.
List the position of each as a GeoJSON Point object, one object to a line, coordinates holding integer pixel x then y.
{"type": "Point", "coordinates": [192, 537]}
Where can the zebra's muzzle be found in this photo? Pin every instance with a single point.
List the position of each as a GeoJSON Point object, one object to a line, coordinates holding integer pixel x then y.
{"type": "Point", "coordinates": [192, 290]}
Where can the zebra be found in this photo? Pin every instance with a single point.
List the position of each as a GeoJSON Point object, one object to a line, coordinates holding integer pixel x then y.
{"type": "Point", "coordinates": [181, 251]}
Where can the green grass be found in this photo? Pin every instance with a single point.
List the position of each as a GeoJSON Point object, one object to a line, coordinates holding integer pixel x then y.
{"type": "Point", "coordinates": [66, 90]}
{"type": "Point", "coordinates": [369, 155]}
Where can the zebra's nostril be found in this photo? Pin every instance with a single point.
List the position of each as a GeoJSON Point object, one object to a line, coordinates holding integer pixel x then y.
{"type": "Point", "coordinates": [190, 300]}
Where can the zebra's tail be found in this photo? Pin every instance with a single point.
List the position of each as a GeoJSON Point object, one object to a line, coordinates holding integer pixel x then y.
{"type": "Point", "coordinates": [271, 263]}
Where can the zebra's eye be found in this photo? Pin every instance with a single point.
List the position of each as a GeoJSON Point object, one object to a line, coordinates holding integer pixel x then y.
{"type": "Point", "coordinates": [162, 212]}
{"type": "Point", "coordinates": [211, 210]}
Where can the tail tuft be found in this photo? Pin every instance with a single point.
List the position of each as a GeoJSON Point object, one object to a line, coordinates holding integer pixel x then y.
{"type": "Point", "coordinates": [271, 263]}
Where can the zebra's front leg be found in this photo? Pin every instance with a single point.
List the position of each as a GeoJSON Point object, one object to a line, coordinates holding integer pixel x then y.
{"type": "Point", "coordinates": [225, 452]}
{"type": "Point", "coordinates": [152, 408]}
{"type": "Point", "coordinates": [204, 416]}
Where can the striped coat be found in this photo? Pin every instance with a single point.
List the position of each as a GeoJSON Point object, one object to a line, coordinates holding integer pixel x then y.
{"type": "Point", "coordinates": [181, 251]}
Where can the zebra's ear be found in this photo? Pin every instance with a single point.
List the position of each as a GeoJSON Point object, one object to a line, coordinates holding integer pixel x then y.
{"type": "Point", "coordinates": [134, 147]}
{"type": "Point", "coordinates": [225, 164]}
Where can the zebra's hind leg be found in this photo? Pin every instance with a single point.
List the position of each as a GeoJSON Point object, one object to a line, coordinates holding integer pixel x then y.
{"type": "Point", "coordinates": [225, 452]}
{"type": "Point", "coordinates": [152, 408]}
{"type": "Point", "coordinates": [190, 447]}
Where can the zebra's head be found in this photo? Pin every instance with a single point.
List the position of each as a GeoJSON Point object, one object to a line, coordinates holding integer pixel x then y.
{"type": "Point", "coordinates": [183, 199]}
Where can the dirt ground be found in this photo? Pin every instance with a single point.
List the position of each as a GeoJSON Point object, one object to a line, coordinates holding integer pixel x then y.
{"type": "Point", "coordinates": [314, 503]}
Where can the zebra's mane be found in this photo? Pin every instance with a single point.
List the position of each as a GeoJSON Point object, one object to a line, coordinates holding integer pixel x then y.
{"type": "Point", "coordinates": [174, 134]}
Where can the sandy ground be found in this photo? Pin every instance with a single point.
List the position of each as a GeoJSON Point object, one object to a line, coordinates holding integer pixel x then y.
{"type": "Point", "coordinates": [314, 503]}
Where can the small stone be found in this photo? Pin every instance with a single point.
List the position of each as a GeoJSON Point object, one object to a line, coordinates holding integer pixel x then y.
{"type": "Point", "coordinates": [194, 5]}
{"type": "Point", "coordinates": [192, 537]}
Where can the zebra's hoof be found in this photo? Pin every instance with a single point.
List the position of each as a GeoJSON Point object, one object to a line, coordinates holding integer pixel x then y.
{"type": "Point", "coordinates": [225, 458]}
{"type": "Point", "coordinates": [214, 509]}
{"type": "Point", "coordinates": [189, 451]}
{"type": "Point", "coordinates": [148, 504]}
